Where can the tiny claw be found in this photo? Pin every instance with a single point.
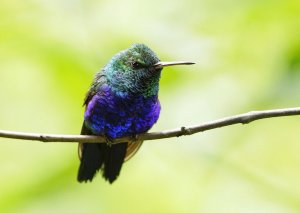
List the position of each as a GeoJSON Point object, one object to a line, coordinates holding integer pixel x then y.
{"type": "Point", "coordinates": [108, 141]}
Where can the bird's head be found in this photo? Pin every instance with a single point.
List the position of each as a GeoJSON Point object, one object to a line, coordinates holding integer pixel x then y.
{"type": "Point", "coordinates": [136, 70]}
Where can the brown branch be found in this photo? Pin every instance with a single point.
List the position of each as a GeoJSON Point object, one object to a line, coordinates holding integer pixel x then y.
{"type": "Point", "coordinates": [241, 118]}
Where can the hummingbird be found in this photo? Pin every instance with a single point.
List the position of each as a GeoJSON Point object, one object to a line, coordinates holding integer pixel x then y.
{"type": "Point", "coordinates": [121, 102]}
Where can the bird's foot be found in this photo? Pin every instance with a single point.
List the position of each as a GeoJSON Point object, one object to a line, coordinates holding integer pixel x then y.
{"type": "Point", "coordinates": [109, 141]}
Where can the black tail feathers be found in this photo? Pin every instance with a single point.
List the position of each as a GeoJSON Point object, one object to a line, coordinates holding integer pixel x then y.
{"type": "Point", "coordinates": [101, 156]}
{"type": "Point", "coordinates": [91, 161]}
{"type": "Point", "coordinates": [113, 161]}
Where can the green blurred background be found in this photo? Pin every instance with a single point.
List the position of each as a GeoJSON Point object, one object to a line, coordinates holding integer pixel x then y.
{"type": "Point", "coordinates": [248, 58]}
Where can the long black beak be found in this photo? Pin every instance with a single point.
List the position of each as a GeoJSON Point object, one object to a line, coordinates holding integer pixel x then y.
{"type": "Point", "coordinates": [162, 64]}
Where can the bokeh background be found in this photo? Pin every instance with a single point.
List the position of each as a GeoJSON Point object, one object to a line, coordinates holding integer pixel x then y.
{"type": "Point", "coordinates": [248, 58]}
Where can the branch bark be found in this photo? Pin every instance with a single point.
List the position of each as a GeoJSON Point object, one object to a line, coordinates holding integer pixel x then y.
{"type": "Point", "coordinates": [244, 118]}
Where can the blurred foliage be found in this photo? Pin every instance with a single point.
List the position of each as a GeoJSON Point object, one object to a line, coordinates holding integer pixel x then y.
{"type": "Point", "coordinates": [248, 58]}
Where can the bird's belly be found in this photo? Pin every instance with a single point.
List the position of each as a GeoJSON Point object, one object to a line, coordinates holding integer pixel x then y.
{"type": "Point", "coordinates": [118, 119]}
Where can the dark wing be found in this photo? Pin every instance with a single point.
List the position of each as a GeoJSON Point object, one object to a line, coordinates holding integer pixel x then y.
{"type": "Point", "coordinates": [90, 154]}
{"type": "Point", "coordinates": [99, 80]}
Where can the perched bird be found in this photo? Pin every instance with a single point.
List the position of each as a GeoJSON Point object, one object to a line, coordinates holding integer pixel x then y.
{"type": "Point", "coordinates": [122, 101]}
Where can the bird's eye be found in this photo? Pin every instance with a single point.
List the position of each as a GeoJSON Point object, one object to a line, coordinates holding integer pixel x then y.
{"type": "Point", "coordinates": [136, 65]}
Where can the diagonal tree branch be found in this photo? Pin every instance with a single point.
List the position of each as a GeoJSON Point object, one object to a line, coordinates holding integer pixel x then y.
{"type": "Point", "coordinates": [227, 121]}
